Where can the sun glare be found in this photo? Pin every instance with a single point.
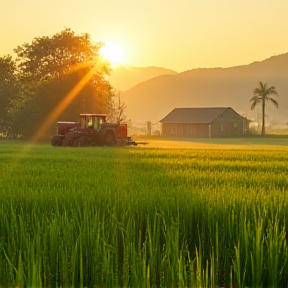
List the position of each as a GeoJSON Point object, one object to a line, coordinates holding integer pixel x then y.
{"type": "Point", "coordinates": [113, 53]}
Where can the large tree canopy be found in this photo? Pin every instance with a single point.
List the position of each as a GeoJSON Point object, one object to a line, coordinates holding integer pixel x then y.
{"type": "Point", "coordinates": [49, 69]}
{"type": "Point", "coordinates": [52, 57]}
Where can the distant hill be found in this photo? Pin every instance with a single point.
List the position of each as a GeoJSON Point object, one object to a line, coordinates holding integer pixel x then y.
{"type": "Point", "coordinates": [205, 87]}
{"type": "Point", "coordinates": [125, 77]}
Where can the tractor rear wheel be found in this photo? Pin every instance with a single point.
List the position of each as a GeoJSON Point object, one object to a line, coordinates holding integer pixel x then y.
{"type": "Point", "coordinates": [110, 138]}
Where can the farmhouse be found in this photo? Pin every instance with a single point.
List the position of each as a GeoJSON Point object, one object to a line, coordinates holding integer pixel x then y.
{"type": "Point", "coordinates": [206, 122]}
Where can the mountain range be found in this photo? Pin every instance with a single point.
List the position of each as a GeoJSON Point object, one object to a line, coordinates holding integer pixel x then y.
{"type": "Point", "coordinates": [151, 93]}
{"type": "Point", "coordinates": [125, 77]}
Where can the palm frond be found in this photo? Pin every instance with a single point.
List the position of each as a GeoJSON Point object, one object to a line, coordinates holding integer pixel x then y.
{"type": "Point", "coordinates": [255, 99]}
{"type": "Point", "coordinates": [262, 86]}
{"type": "Point", "coordinates": [253, 105]}
{"type": "Point", "coordinates": [271, 88]}
{"type": "Point", "coordinates": [274, 102]}
{"type": "Point", "coordinates": [271, 91]}
{"type": "Point", "coordinates": [257, 91]}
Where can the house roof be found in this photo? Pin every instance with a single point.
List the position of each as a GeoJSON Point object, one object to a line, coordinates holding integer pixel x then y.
{"type": "Point", "coordinates": [194, 115]}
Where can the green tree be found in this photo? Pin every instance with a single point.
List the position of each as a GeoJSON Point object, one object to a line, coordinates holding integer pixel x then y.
{"type": "Point", "coordinates": [35, 111]}
{"type": "Point", "coordinates": [261, 95]}
{"type": "Point", "coordinates": [8, 91]}
{"type": "Point", "coordinates": [53, 57]}
{"type": "Point", "coordinates": [49, 69]}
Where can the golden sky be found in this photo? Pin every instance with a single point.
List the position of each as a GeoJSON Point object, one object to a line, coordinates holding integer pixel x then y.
{"type": "Point", "coordinates": [175, 34]}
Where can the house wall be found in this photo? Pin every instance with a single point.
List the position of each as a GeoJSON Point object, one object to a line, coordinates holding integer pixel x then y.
{"type": "Point", "coordinates": [224, 128]}
{"type": "Point", "coordinates": [185, 130]}
{"type": "Point", "coordinates": [229, 124]}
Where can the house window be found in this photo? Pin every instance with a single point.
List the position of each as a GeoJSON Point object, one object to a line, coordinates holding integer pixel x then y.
{"type": "Point", "coordinates": [173, 129]}
{"type": "Point", "coordinates": [222, 126]}
{"type": "Point", "coordinates": [236, 126]}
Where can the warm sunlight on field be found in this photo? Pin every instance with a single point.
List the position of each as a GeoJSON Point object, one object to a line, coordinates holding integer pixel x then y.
{"type": "Point", "coordinates": [217, 144]}
{"type": "Point", "coordinates": [113, 53]}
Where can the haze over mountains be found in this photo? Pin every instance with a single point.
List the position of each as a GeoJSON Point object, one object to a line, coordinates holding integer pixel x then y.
{"type": "Point", "coordinates": [125, 77]}
{"type": "Point", "coordinates": [152, 99]}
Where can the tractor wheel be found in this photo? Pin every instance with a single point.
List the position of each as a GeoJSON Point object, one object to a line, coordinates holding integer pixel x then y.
{"type": "Point", "coordinates": [82, 142]}
{"type": "Point", "coordinates": [110, 138]}
{"type": "Point", "coordinates": [56, 140]}
{"type": "Point", "coordinates": [66, 142]}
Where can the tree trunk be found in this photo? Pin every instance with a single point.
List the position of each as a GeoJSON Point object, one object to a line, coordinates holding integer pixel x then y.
{"type": "Point", "coordinates": [263, 117]}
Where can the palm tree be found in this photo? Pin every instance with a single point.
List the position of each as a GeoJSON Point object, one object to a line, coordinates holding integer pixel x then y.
{"type": "Point", "coordinates": [262, 94]}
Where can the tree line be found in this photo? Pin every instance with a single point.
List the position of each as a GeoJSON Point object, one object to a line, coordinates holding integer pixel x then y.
{"type": "Point", "coordinates": [63, 68]}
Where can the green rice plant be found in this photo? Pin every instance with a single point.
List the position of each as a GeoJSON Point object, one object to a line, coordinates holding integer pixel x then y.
{"type": "Point", "coordinates": [276, 253]}
{"type": "Point", "coordinates": [148, 217]}
{"type": "Point", "coordinates": [20, 277]}
{"type": "Point", "coordinates": [256, 254]}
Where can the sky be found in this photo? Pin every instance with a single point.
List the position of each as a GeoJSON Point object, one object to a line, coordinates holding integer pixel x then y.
{"type": "Point", "coordinates": [174, 34]}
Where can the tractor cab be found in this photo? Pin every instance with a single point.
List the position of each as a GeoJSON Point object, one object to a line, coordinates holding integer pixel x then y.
{"type": "Point", "coordinates": [92, 121]}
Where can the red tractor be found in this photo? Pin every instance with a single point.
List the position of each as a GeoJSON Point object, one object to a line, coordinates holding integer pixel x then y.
{"type": "Point", "coordinates": [92, 130]}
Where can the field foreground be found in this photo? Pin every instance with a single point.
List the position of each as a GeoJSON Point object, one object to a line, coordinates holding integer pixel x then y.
{"type": "Point", "coordinates": [162, 215]}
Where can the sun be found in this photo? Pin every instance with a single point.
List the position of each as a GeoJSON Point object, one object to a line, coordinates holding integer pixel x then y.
{"type": "Point", "coordinates": [113, 53]}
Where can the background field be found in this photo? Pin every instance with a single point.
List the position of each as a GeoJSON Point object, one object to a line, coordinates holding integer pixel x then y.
{"type": "Point", "coordinates": [270, 142]}
{"type": "Point", "coordinates": [168, 214]}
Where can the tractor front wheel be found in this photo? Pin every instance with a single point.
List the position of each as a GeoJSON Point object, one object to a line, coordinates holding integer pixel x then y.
{"type": "Point", "coordinates": [56, 140]}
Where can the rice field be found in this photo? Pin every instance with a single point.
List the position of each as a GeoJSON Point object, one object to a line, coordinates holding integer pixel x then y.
{"type": "Point", "coordinates": [163, 215]}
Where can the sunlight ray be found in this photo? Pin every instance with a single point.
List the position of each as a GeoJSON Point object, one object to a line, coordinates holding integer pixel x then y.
{"type": "Point", "coordinates": [52, 117]}
{"type": "Point", "coordinates": [62, 106]}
